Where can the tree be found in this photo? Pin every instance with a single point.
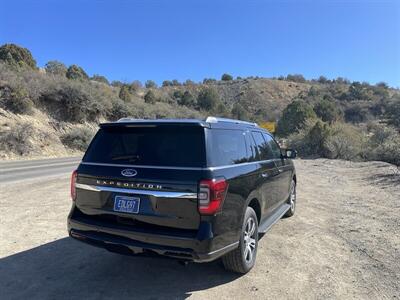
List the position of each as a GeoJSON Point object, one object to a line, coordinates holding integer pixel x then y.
{"type": "Point", "coordinates": [76, 72]}
{"type": "Point", "coordinates": [150, 97]}
{"type": "Point", "coordinates": [117, 83]}
{"type": "Point", "coordinates": [13, 54]}
{"type": "Point", "coordinates": [327, 111]}
{"type": "Point", "coordinates": [100, 78]}
{"type": "Point", "coordinates": [238, 112]}
{"type": "Point", "coordinates": [150, 84]}
{"type": "Point", "coordinates": [296, 78]}
{"type": "Point", "coordinates": [323, 79]}
{"type": "Point", "coordinates": [208, 99]}
{"type": "Point", "coordinates": [226, 77]}
{"type": "Point", "coordinates": [56, 68]}
{"type": "Point", "coordinates": [124, 93]}
{"type": "Point", "coordinates": [294, 117]}
{"type": "Point", "coordinates": [135, 86]}
{"type": "Point", "coordinates": [175, 82]}
{"type": "Point", "coordinates": [167, 83]}
{"type": "Point", "coordinates": [209, 80]}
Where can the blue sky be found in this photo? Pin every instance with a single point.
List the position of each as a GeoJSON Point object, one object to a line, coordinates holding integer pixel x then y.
{"type": "Point", "coordinates": [129, 40]}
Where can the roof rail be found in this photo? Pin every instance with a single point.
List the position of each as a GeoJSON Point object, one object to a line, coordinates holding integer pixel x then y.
{"type": "Point", "coordinates": [216, 120]}
{"type": "Point", "coordinates": [129, 120]}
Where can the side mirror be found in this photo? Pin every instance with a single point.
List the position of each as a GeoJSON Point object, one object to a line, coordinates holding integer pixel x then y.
{"type": "Point", "coordinates": [289, 153]}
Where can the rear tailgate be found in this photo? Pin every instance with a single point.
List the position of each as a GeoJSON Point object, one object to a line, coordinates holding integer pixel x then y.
{"type": "Point", "coordinates": [143, 177]}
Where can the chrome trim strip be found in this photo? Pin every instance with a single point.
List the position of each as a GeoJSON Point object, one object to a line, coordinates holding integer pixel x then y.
{"type": "Point", "coordinates": [139, 166]}
{"type": "Point", "coordinates": [158, 194]}
{"type": "Point", "coordinates": [223, 248]}
{"type": "Point", "coordinates": [178, 168]}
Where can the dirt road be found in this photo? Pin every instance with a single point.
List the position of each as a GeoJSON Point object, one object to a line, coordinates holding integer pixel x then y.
{"type": "Point", "coordinates": [343, 242]}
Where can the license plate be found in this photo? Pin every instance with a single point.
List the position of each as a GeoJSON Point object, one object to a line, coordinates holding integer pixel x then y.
{"type": "Point", "coordinates": [126, 204]}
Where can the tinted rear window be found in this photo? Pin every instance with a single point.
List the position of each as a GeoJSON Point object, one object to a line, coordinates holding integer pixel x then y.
{"type": "Point", "coordinates": [154, 146]}
{"type": "Point", "coordinates": [226, 147]}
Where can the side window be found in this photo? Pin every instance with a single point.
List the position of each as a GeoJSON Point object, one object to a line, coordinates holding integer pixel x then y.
{"type": "Point", "coordinates": [263, 148]}
{"type": "Point", "coordinates": [226, 147]}
{"type": "Point", "coordinates": [251, 147]}
{"type": "Point", "coordinates": [276, 151]}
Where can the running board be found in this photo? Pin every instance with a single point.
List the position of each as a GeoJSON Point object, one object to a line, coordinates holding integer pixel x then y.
{"type": "Point", "coordinates": [275, 217]}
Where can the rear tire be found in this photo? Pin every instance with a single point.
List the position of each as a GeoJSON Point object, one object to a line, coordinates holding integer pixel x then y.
{"type": "Point", "coordinates": [291, 200]}
{"type": "Point", "coordinates": [242, 259]}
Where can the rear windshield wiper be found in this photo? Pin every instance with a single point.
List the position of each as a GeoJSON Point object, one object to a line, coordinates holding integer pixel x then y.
{"type": "Point", "coordinates": [130, 157]}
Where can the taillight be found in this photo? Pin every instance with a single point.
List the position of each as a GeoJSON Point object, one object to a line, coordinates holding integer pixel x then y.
{"type": "Point", "coordinates": [211, 195]}
{"type": "Point", "coordinates": [73, 182]}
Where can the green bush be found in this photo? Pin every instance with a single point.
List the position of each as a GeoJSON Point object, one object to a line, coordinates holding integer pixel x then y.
{"type": "Point", "coordinates": [327, 111]}
{"type": "Point", "coordinates": [55, 67]}
{"type": "Point", "coordinates": [78, 138]}
{"type": "Point", "coordinates": [99, 78]}
{"type": "Point", "coordinates": [296, 78]}
{"type": "Point", "coordinates": [294, 117]}
{"type": "Point", "coordinates": [13, 54]}
{"type": "Point", "coordinates": [124, 93]}
{"type": "Point", "coordinates": [393, 112]}
{"type": "Point", "coordinates": [150, 97]}
{"type": "Point", "coordinates": [16, 99]}
{"type": "Point", "coordinates": [226, 77]}
{"type": "Point", "coordinates": [238, 112]}
{"type": "Point", "coordinates": [384, 144]}
{"type": "Point", "coordinates": [208, 99]}
{"type": "Point", "coordinates": [76, 72]}
{"type": "Point", "coordinates": [319, 139]}
{"type": "Point", "coordinates": [150, 84]}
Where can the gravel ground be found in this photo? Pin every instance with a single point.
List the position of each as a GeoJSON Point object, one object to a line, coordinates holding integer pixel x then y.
{"type": "Point", "coordinates": [343, 242]}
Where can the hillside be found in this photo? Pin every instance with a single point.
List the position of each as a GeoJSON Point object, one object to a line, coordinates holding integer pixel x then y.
{"type": "Point", "coordinates": [54, 111]}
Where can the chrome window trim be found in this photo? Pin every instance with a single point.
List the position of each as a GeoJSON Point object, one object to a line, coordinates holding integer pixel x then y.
{"type": "Point", "coordinates": [158, 194]}
{"type": "Point", "coordinates": [141, 166]}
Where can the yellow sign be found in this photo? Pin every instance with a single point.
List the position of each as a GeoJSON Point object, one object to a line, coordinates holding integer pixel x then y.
{"type": "Point", "coordinates": [270, 126]}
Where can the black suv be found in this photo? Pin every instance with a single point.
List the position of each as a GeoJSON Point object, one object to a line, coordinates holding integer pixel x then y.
{"type": "Point", "coordinates": [189, 189]}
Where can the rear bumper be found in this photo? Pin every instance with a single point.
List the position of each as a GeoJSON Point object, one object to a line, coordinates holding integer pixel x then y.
{"type": "Point", "coordinates": [201, 248]}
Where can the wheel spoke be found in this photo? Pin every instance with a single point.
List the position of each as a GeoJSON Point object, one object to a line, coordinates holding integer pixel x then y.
{"type": "Point", "coordinates": [252, 243]}
{"type": "Point", "coordinates": [250, 254]}
{"type": "Point", "coordinates": [253, 227]}
{"type": "Point", "coordinates": [246, 251]}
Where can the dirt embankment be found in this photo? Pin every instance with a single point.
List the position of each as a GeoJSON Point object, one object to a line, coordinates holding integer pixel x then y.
{"type": "Point", "coordinates": [342, 243]}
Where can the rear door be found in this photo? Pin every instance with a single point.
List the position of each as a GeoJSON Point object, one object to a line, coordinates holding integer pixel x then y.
{"type": "Point", "coordinates": [143, 174]}
{"type": "Point", "coordinates": [268, 172]}
{"type": "Point", "coordinates": [283, 171]}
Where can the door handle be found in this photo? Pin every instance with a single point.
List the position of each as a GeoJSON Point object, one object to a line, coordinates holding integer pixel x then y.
{"type": "Point", "coordinates": [265, 174]}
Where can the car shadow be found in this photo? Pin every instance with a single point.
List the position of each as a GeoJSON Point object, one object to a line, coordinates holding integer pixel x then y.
{"type": "Point", "coordinates": [67, 269]}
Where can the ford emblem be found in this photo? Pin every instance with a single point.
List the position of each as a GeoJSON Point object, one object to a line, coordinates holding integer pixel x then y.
{"type": "Point", "coordinates": [129, 172]}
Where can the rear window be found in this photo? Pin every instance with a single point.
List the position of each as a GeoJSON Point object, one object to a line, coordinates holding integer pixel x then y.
{"type": "Point", "coordinates": [226, 147]}
{"type": "Point", "coordinates": [175, 146]}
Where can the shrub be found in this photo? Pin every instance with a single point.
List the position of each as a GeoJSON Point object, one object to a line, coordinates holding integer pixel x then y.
{"type": "Point", "coordinates": [393, 112]}
{"type": "Point", "coordinates": [150, 84]}
{"type": "Point", "coordinates": [185, 98]}
{"type": "Point", "coordinates": [208, 99]}
{"type": "Point", "coordinates": [345, 142]}
{"type": "Point", "coordinates": [124, 93]}
{"type": "Point", "coordinates": [13, 54]}
{"type": "Point", "coordinates": [167, 83]}
{"type": "Point", "coordinates": [338, 140]}
{"type": "Point", "coordinates": [327, 111]}
{"type": "Point", "coordinates": [99, 78]}
{"type": "Point", "coordinates": [16, 100]}
{"type": "Point", "coordinates": [294, 117]}
{"type": "Point", "coordinates": [78, 138]}
{"type": "Point", "coordinates": [18, 139]}
{"type": "Point", "coordinates": [238, 112]}
{"type": "Point", "coordinates": [76, 72]}
{"type": "Point", "coordinates": [226, 77]}
{"type": "Point", "coordinates": [384, 145]}
{"type": "Point", "coordinates": [209, 80]}
{"type": "Point", "coordinates": [55, 67]}
{"type": "Point", "coordinates": [150, 97]}
{"type": "Point", "coordinates": [357, 114]}
{"type": "Point", "coordinates": [296, 78]}
{"type": "Point", "coordinates": [135, 86]}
